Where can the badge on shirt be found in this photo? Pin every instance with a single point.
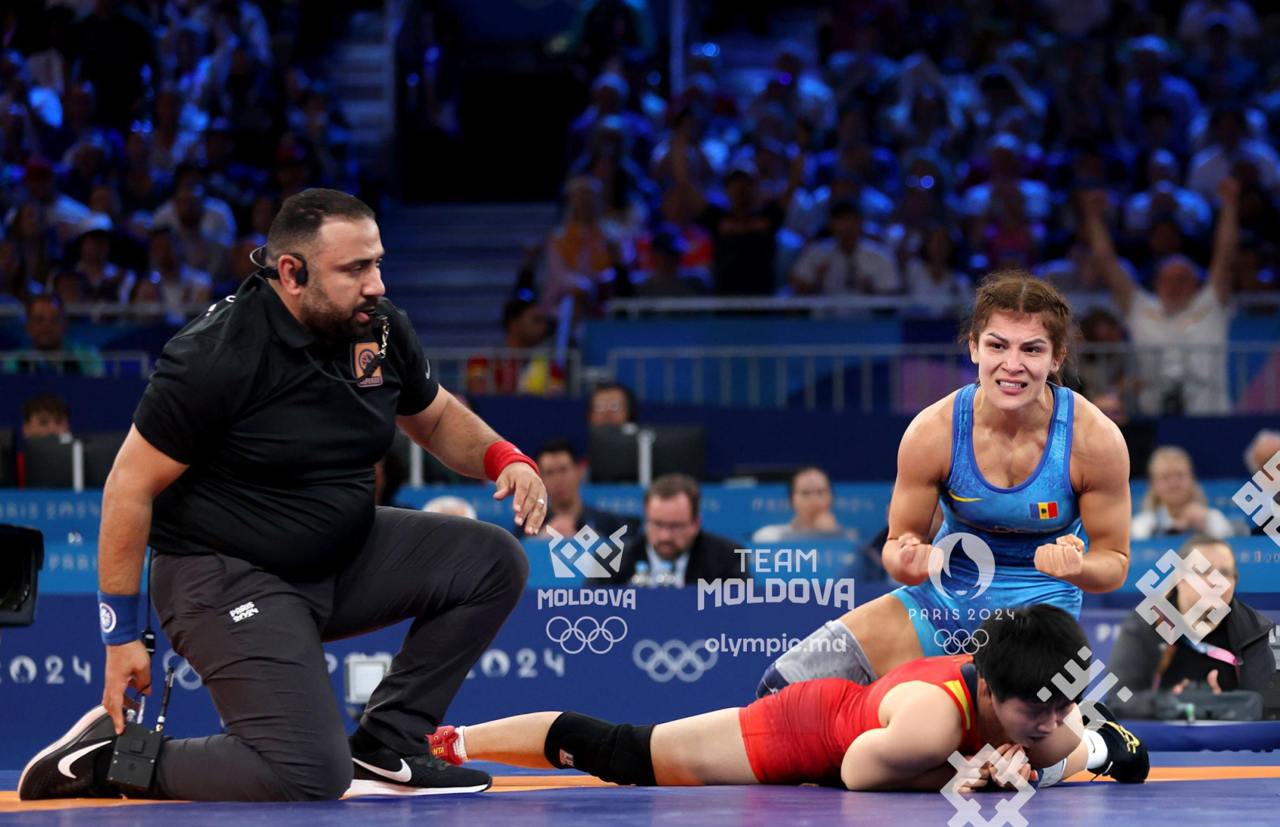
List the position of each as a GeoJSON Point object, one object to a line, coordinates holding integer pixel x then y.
{"type": "Point", "coordinates": [362, 354]}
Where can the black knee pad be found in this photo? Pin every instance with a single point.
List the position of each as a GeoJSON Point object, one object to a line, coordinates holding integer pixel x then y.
{"type": "Point", "coordinates": [617, 753]}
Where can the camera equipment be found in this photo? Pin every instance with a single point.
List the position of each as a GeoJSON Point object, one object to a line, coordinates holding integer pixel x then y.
{"type": "Point", "coordinates": [21, 558]}
{"type": "Point", "coordinates": [133, 764]}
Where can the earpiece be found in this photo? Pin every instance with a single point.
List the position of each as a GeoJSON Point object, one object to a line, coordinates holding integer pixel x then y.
{"type": "Point", "coordinates": [274, 273]}
{"type": "Point", "coordinates": [301, 276]}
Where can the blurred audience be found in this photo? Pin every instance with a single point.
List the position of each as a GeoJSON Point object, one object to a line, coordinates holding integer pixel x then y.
{"type": "Point", "coordinates": [582, 252]}
{"type": "Point", "coordinates": [847, 262]}
{"type": "Point", "coordinates": [1184, 309]}
{"type": "Point", "coordinates": [809, 491]}
{"type": "Point", "coordinates": [119, 118]}
{"type": "Point", "coordinates": [525, 329]}
{"type": "Point", "coordinates": [49, 351]}
{"type": "Point", "coordinates": [1175, 503]}
{"type": "Point", "coordinates": [666, 275]}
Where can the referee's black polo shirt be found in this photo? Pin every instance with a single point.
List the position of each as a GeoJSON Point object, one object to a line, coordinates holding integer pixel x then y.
{"type": "Point", "coordinates": [281, 455]}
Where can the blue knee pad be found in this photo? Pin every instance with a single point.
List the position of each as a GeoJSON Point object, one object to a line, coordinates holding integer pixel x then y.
{"type": "Point", "coordinates": [772, 682]}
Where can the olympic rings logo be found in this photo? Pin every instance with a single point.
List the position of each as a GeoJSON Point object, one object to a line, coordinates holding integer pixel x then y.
{"type": "Point", "coordinates": [961, 642]}
{"type": "Point", "coordinates": [674, 659]}
{"type": "Point", "coordinates": [587, 640]}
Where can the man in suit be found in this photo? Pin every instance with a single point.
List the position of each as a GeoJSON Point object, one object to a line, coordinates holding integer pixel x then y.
{"type": "Point", "coordinates": [673, 539]}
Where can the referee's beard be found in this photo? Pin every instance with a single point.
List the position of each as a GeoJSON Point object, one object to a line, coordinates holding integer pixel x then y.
{"type": "Point", "coordinates": [331, 322]}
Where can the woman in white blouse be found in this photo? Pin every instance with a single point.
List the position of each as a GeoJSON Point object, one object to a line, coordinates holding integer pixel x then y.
{"type": "Point", "coordinates": [1175, 503]}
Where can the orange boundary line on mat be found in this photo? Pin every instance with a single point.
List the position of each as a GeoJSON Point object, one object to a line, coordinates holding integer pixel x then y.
{"type": "Point", "coordinates": [9, 802]}
{"type": "Point", "coordinates": [1197, 774]}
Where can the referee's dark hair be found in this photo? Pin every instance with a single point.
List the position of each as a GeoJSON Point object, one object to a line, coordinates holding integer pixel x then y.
{"type": "Point", "coordinates": [1026, 647]}
{"type": "Point", "coordinates": [302, 215]}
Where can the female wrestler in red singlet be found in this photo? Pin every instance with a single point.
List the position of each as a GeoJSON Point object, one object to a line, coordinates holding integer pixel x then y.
{"type": "Point", "coordinates": [895, 734]}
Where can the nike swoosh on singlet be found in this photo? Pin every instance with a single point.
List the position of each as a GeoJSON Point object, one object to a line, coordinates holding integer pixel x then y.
{"type": "Point", "coordinates": [404, 775]}
{"type": "Point", "coordinates": [959, 499]}
{"type": "Point", "coordinates": [64, 766]}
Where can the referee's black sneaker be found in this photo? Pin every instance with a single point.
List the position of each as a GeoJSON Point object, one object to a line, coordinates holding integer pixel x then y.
{"type": "Point", "coordinates": [381, 771]}
{"type": "Point", "coordinates": [75, 765]}
{"type": "Point", "coordinates": [1127, 758]}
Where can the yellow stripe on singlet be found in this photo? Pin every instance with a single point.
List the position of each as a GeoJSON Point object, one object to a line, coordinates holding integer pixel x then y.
{"type": "Point", "coordinates": [957, 689]}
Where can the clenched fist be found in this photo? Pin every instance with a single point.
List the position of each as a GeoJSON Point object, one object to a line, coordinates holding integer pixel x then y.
{"type": "Point", "coordinates": [916, 560]}
{"type": "Point", "coordinates": [1063, 558]}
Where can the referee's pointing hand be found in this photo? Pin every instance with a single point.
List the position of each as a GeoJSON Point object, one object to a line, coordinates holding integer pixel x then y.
{"type": "Point", "coordinates": [530, 500]}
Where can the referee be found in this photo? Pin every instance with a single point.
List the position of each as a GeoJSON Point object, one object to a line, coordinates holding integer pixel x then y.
{"type": "Point", "coordinates": [249, 472]}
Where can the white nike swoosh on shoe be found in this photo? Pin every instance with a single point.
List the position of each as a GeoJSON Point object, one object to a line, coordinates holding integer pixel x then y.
{"type": "Point", "coordinates": [404, 775]}
{"type": "Point", "coordinates": [64, 766]}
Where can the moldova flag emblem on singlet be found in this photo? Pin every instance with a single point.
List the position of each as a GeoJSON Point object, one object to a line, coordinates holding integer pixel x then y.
{"type": "Point", "coordinates": [1044, 511]}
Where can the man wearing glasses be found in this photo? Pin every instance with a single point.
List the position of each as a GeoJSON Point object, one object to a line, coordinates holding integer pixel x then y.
{"type": "Point", "coordinates": [673, 543]}
{"type": "Point", "coordinates": [611, 404]}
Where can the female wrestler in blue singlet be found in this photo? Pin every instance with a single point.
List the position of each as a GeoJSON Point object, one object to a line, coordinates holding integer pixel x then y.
{"type": "Point", "coordinates": [1021, 466]}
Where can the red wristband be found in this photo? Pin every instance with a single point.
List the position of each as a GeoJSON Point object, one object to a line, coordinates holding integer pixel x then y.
{"type": "Point", "coordinates": [501, 454]}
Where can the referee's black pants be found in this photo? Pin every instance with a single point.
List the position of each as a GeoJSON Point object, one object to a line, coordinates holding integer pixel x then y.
{"type": "Point", "coordinates": [285, 737]}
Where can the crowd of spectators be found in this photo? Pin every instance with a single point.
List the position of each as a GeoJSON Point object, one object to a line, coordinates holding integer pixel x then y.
{"type": "Point", "coordinates": [145, 146]}
{"type": "Point", "coordinates": [926, 144]}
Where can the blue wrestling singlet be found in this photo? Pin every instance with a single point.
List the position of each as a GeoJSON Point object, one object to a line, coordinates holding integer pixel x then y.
{"type": "Point", "coordinates": [1013, 522]}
